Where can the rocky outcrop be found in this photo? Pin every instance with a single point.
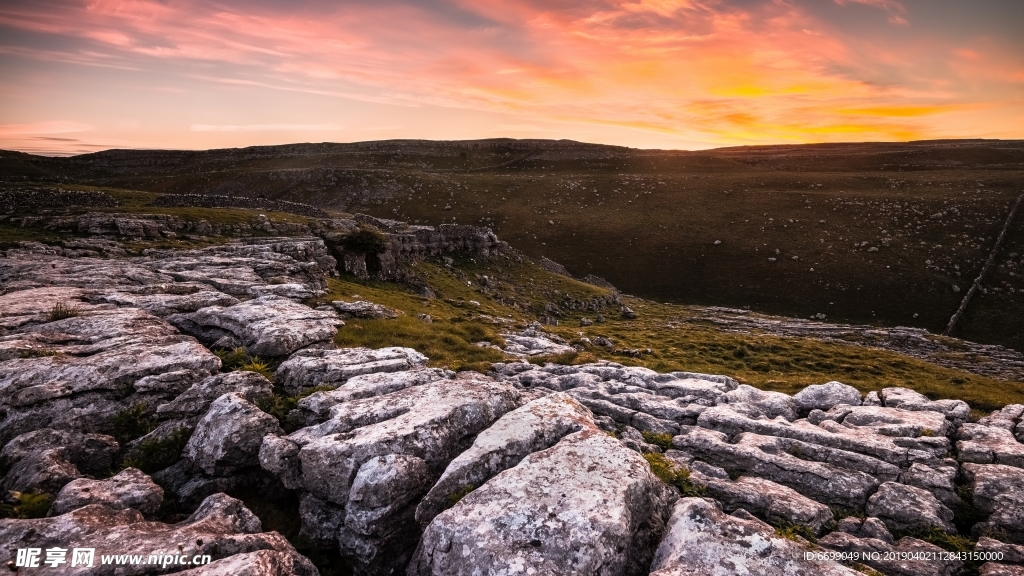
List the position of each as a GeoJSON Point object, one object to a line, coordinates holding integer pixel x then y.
{"type": "Point", "coordinates": [229, 436]}
{"type": "Point", "coordinates": [904, 507]}
{"type": "Point", "coordinates": [904, 558]}
{"type": "Point", "coordinates": [999, 491]}
{"type": "Point", "coordinates": [363, 309]}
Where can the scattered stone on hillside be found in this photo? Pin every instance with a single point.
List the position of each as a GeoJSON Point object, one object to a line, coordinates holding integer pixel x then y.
{"type": "Point", "coordinates": [363, 309]}
{"type": "Point", "coordinates": [999, 491]}
{"type": "Point", "coordinates": [587, 505]}
{"type": "Point", "coordinates": [130, 488]}
{"type": "Point", "coordinates": [533, 342]}
{"type": "Point", "coordinates": [826, 396]}
{"type": "Point", "coordinates": [904, 507]}
{"type": "Point", "coordinates": [265, 326]}
{"type": "Point", "coordinates": [586, 322]}
{"type": "Point", "coordinates": [628, 313]}
{"type": "Point", "coordinates": [221, 527]}
{"type": "Point", "coordinates": [701, 539]}
{"type": "Point", "coordinates": [309, 368]}
{"type": "Point", "coordinates": [894, 560]}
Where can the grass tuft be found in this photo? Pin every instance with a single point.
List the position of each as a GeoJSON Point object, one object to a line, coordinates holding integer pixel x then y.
{"type": "Point", "coordinates": [27, 505]}
{"type": "Point", "coordinates": [60, 311]}
{"type": "Point", "coordinates": [674, 475]}
{"type": "Point", "coordinates": [158, 453]}
{"type": "Point", "coordinates": [795, 531]}
{"type": "Point", "coordinates": [663, 441]}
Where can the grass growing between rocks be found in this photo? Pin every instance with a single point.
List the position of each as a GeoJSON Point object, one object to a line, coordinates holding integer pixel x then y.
{"type": "Point", "coordinates": [26, 505]}
{"type": "Point", "coordinates": [281, 404]}
{"type": "Point", "coordinates": [132, 422]}
{"type": "Point", "coordinates": [794, 531]}
{"type": "Point", "coordinates": [673, 475]}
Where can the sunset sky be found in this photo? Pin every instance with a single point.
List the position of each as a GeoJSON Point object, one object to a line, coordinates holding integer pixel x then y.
{"type": "Point", "coordinates": [82, 76]}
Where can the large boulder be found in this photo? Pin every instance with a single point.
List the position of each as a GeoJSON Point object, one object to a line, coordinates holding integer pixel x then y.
{"type": "Point", "coordinates": [956, 411]}
{"type": "Point", "coordinates": [701, 539]}
{"type": "Point", "coordinates": [587, 505]}
{"type": "Point", "coordinates": [229, 436]}
{"type": "Point", "coordinates": [130, 488]}
{"type": "Point", "coordinates": [196, 400]}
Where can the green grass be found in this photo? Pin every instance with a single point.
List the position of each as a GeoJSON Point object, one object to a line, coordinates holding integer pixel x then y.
{"type": "Point", "coordinates": [27, 505]}
{"type": "Point", "coordinates": [794, 531]}
{"type": "Point", "coordinates": [280, 405]}
{"type": "Point", "coordinates": [673, 475]}
{"type": "Point", "coordinates": [663, 441]}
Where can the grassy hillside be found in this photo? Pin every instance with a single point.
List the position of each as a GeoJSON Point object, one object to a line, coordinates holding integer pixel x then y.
{"type": "Point", "coordinates": [874, 233]}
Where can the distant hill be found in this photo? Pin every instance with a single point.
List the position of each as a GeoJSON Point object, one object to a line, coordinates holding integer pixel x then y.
{"type": "Point", "coordinates": [886, 233]}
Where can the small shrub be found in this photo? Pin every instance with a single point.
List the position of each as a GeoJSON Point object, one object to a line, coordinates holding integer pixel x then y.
{"type": "Point", "coordinates": [255, 364]}
{"type": "Point", "coordinates": [663, 441]}
{"type": "Point", "coordinates": [61, 311]}
{"type": "Point", "coordinates": [232, 359]}
{"type": "Point", "coordinates": [459, 494]}
{"type": "Point", "coordinates": [793, 530]}
{"type": "Point", "coordinates": [674, 475]}
{"type": "Point", "coordinates": [27, 505]}
{"type": "Point", "coordinates": [132, 422]}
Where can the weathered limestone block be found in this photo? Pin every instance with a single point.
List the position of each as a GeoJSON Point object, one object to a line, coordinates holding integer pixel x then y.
{"type": "Point", "coordinates": [904, 507]}
{"type": "Point", "coordinates": [309, 368]}
{"type": "Point", "coordinates": [998, 490]}
{"type": "Point", "coordinates": [535, 426]}
{"type": "Point", "coordinates": [221, 527]}
{"type": "Point", "coordinates": [587, 505]}
{"type": "Point", "coordinates": [989, 445]}
{"type": "Point", "coordinates": [229, 436]}
{"type": "Point", "coordinates": [885, 557]}
{"type": "Point", "coordinates": [701, 539]}
{"type": "Point", "coordinates": [821, 482]}
{"type": "Point", "coordinates": [130, 488]}
{"type": "Point", "coordinates": [265, 326]}
{"type": "Point", "coordinates": [769, 500]}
